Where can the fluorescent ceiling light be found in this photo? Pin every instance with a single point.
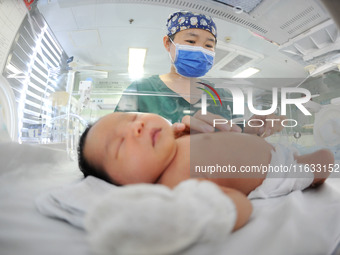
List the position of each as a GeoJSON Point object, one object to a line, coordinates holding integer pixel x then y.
{"type": "Point", "coordinates": [247, 73]}
{"type": "Point", "coordinates": [136, 62]}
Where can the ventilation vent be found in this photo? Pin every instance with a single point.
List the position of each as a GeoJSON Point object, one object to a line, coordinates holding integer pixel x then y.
{"type": "Point", "coordinates": [242, 22]}
{"type": "Point", "coordinates": [215, 10]}
{"type": "Point", "coordinates": [303, 24]}
{"type": "Point", "coordinates": [315, 47]}
{"type": "Point", "coordinates": [221, 13]}
{"type": "Point", "coordinates": [232, 60]}
{"type": "Point", "coordinates": [220, 54]}
{"type": "Point", "coordinates": [236, 63]}
{"type": "Point", "coordinates": [297, 17]}
{"type": "Point", "coordinates": [300, 21]}
{"type": "Point", "coordinates": [245, 5]}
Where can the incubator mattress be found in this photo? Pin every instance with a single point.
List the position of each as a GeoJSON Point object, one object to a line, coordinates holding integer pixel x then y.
{"type": "Point", "coordinates": [299, 223]}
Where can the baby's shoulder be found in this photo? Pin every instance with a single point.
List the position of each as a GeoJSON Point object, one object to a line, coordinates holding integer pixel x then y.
{"type": "Point", "coordinates": [216, 137]}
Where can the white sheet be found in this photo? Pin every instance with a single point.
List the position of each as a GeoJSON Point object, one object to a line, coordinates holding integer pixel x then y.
{"type": "Point", "coordinates": [24, 173]}
{"type": "Point", "coordinates": [72, 202]}
{"type": "Point", "coordinates": [300, 223]}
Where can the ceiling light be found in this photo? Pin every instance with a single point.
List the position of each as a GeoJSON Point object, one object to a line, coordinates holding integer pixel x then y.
{"type": "Point", "coordinates": [247, 73]}
{"type": "Point", "coordinates": [136, 62]}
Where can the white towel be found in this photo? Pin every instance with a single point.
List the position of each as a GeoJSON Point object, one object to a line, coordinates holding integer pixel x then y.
{"type": "Point", "coordinates": [144, 218]}
{"type": "Point", "coordinates": [71, 202]}
{"type": "Point", "coordinates": [152, 219]}
{"type": "Point", "coordinates": [300, 223]}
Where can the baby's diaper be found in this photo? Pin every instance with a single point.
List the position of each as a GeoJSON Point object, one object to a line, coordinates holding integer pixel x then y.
{"type": "Point", "coordinates": [284, 174]}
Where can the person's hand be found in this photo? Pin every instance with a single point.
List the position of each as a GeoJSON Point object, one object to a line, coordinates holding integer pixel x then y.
{"type": "Point", "coordinates": [180, 129]}
{"type": "Point", "coordinates": [205, 123]}
{"type": "Point", "coordinates": [271, 125]}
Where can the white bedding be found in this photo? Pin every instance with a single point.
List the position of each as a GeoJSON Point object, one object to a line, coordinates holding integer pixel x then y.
{"type": "Point", "coordinates": [26, 172]}
{"type": "Point", "coordinates": [300, 223]}
{"type": "Point", "coordinates": [297, 223]}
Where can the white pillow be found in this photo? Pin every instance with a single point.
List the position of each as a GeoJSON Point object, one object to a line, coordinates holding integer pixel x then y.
{"type": "Point", "coordinates": [4, 135]}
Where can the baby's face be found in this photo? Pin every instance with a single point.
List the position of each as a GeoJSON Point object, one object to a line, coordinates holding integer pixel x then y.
{"type": "Point", "coordinates": [131, 147]}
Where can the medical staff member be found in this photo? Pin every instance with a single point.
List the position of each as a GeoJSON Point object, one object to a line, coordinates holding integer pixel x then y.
{"type": "Point", "coordinates": [190, 41]}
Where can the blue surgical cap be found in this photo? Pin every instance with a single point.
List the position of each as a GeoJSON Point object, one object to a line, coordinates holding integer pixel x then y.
{"type": "Point", "coordinates": [182, 20]}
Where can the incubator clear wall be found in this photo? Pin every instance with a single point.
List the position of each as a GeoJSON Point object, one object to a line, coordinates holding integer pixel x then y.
{"type": "Point", "coordinates": [51, 103]}
{"type": "Point", "coordinates": [37, 72]}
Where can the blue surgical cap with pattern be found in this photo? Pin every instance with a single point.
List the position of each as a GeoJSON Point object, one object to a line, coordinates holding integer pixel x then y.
{"type": "Point", "coordinates": [182, 20]}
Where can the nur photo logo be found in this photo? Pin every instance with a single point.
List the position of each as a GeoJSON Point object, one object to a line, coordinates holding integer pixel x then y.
{"type": "Point", "coordinates": [239, 104]}
{"type": "Point", "coordinates": [204, 96]}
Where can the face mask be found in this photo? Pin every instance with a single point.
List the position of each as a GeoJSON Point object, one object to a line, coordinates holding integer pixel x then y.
{"type": "Point", "coordinates": [193, 61]}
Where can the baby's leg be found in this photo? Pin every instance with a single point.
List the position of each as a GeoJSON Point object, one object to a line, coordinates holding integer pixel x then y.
{"type": "Point", "coordinates": [320, 162]}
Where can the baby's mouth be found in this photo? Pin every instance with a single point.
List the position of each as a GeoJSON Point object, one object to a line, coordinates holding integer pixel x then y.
{"type": "Point", "coordinates": [154, 135]}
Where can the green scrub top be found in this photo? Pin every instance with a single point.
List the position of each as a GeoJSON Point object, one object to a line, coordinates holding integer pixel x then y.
{"type": "Point", "coordinates": [153, 96]}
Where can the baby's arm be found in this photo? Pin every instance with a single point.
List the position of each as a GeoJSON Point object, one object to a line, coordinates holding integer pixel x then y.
{"type": "Point", "coordinates": [243, 206]}
{"type": "Point", "coordinates": [323, 158]}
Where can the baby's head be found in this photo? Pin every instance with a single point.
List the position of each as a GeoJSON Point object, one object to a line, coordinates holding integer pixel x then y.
{"type": "Point", "coordinates": [127, 148]}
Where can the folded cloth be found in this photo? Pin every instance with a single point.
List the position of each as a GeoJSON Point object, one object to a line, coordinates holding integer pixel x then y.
{"type": "Point", "coordinates": [284, 174]}
{"type": "Point", "coordinates": [152, 219]}
{"type": "Point", "coordinates": [71, 202]}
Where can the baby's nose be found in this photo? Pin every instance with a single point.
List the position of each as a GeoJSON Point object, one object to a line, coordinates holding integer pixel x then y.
{"type": "Point", "coordinates": [138, 127]}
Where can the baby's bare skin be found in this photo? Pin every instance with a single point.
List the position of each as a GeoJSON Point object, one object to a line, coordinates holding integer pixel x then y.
{"type": "Point", "coordinates": [220, 148]}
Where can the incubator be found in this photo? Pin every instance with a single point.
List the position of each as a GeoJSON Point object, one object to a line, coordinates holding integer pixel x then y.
{"type": "Point", "coordinates": [66, 63]}
{"type": "Point", "coordinates": [59, 75]}
{"type": "Point", "coordinates": [60, 79]}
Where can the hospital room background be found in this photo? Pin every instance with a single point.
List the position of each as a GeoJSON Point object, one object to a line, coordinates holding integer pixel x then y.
{"type": "Point", "coordinates": [66, 63]}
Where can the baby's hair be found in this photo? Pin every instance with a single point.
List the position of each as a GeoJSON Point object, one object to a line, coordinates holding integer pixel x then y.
{"type": "Point", "coordinates": [85, 166]}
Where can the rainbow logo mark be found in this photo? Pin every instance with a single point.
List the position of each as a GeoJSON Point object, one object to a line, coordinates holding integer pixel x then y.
{"type": "Point", "coordinates": [209, 93]}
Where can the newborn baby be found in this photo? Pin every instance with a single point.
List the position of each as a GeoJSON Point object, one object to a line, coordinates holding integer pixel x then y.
{"type": "Point", "coordinates": [128, 148]}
